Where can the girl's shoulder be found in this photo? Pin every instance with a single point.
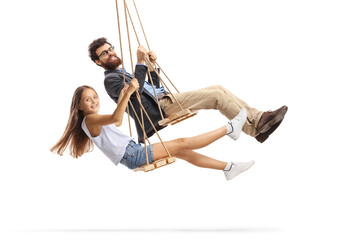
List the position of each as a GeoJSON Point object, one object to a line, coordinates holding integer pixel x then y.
{"type": "Point", "coordinates": [89, 123]}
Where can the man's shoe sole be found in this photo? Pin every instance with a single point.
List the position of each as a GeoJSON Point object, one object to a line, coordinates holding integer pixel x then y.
{"type": "Point", "coordinates": [263, 136]}
{"type": "Point", "coordinates": [278, 117]}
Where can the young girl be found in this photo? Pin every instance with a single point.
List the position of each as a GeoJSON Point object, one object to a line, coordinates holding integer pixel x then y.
{"type": "Point", "coordinates": [85, 127]}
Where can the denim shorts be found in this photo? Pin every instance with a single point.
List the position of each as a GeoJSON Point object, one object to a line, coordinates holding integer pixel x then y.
{"type": "Point", "coordinates": [135, 157]}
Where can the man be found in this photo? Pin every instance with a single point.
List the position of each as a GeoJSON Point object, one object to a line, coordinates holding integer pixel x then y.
{"type": "Point", "coordinates": [259, 124]}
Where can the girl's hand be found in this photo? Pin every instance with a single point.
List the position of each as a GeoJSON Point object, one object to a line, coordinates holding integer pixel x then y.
{"type": "Point", "coordinates": [123, 91]}
{"type": "Point", "coordinates": [133, 86]}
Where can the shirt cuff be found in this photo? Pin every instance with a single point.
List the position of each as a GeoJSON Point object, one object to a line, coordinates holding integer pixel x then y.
{"type": "Point", "coordinates": [140, 64]}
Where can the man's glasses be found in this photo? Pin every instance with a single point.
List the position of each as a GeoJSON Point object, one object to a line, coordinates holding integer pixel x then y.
{"type": "Point", "coordinates": [106, 52]}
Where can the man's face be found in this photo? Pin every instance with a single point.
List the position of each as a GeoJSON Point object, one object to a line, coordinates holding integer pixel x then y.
{"type": "Point", "coordinates": [107, 57]}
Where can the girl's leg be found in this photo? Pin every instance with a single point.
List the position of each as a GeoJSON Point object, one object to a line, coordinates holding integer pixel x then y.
{"type": "Point", "coordinates": [200, 160]}
{"type": "Point", "coordinates": [182, 144]}
{"type": "Point", "coordinates": [182, 147]}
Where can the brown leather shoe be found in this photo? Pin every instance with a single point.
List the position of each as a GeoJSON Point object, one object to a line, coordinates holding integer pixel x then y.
{"type": "Point", "coordinates": [270, 118]}
{"type": "Point", "coordinates": [263, 136]}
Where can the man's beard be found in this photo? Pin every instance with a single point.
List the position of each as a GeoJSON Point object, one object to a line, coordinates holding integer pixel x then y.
{"type": "Point", "coordinates": [112, 64]}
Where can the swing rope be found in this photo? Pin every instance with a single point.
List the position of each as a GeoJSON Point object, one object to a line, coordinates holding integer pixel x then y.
{"type": "Point", "coordinates": [137, 93]}
{"type": "Point", "coordinates": [152, 65]}
{"type": "Point", "coordinates": [141, 25]}
{"type": "Point", "coordinates": [166, 76]}
{"type": "Point", "coordinates": [152, 124]}
{"type": "Point", "coordinates": [138, 15]}
{"type": "Point", "coordinates": [122, 62]}
{"type": "Point", "coordinates": [149, 74]}
{"type": "Point", "coordinates": [149, 63]}
{"type": "Point", "coordinates": [156, 97]}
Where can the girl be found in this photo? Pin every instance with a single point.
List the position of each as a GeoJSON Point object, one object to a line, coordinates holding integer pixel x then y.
{"type": "Point", "coordinates": [85, 127]}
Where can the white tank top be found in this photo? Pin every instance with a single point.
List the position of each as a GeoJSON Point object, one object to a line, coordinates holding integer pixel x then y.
{"type": "Point", "coordinates": [111, 141]}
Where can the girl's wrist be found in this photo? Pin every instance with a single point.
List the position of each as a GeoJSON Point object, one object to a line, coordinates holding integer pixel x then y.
{"type": "Point", "coordinates": [128, 94]}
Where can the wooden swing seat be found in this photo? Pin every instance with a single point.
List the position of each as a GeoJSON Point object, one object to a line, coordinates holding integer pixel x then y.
{"type": "Point", "coordinates": [177, 117]}
{"type": "Point", "coordinates": [156, 164]}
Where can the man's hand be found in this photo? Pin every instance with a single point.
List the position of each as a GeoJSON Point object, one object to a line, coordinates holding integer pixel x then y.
{"type": "Point", "coordinates": [150, 60]}
{"type": "Point", "coordinates": [141, 54]}
{"type": "Point", "coordinates": [152, 57]}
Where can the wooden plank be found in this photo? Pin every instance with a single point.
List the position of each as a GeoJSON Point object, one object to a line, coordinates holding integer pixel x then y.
{"type": "Point", "coordinates": [160, 163]}
{"type": "Point", "coordinates": [178, 117]}
{"type": "Point", "coordinates": [164, 122]}
{"type": "Point", "coordinates": [171, 160]}
{"type": "Point", "coordinates": [179, 114]}
{"type": "Point", "coordinates": [145, 168]}
{"type": "Point", "coordinates": [157, 164]}
{"type": "Point", "coordinates": [183, 118]}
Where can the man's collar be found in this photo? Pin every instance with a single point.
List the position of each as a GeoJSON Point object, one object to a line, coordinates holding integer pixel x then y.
{"type": "Point", "coordinates": [114, 70]}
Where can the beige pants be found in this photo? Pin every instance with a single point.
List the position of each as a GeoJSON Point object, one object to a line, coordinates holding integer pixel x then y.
{"type": "Point", "coordinates": [215, 97]}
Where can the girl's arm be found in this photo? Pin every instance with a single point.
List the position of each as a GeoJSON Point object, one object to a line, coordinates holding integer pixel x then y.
{"type": "Point", "coordinates": [96, 120]}
{"type": "Point", "coordinates": [121, 96]}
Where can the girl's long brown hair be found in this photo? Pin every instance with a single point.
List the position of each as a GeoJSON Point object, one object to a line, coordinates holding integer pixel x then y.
{"type": "Point", "coordinates": [73, 134]}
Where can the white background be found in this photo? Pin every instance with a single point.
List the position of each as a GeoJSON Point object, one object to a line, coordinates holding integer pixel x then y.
{"type": "Point", "coordinates": [305, 182]}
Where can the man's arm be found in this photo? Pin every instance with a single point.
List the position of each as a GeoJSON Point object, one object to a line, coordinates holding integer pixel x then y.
{"type": "Point", "coordinates": [141, 68]}
{"type": "Point", "coordinates": [114, 82]}
{"type": "Point", "coordinates": [140, 74]}
{"type": "Point", "coordinates": [155, 78]}
{"type": "Point", "coordinates": [113, 85]}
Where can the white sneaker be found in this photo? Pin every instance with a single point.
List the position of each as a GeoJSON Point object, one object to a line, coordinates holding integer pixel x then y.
{"type": "Point", "coordinates": [236, 124]}
{"type": "Point", "coordinates": [237, 168]}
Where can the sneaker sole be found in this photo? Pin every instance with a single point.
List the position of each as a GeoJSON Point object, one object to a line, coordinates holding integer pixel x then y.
{"type": "Point", "coordinates": [278, 117]}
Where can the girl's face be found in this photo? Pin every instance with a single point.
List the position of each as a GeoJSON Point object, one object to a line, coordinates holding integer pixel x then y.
{"type": "Point", "coordinates": [89, 102]}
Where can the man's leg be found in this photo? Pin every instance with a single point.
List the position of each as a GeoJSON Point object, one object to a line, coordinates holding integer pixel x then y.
{"type": "Point", "coordinates": [215, 97]}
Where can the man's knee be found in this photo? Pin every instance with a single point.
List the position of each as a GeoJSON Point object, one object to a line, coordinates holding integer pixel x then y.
{"type": "Point", "coordinates": [219, 93]}
{"type": "Point", "coordinates": [220, 88]}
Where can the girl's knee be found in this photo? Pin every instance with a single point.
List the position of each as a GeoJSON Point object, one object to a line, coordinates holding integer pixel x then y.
{"type": "Point", "coordinates": [182, 143]}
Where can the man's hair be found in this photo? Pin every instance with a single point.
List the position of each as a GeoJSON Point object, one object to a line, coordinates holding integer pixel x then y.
{"type": "Point", "coordinates": [95, 45]}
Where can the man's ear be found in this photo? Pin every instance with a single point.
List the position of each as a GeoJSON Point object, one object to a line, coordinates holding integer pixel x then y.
{"type": "Point", "coordinates": [98, 63]}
